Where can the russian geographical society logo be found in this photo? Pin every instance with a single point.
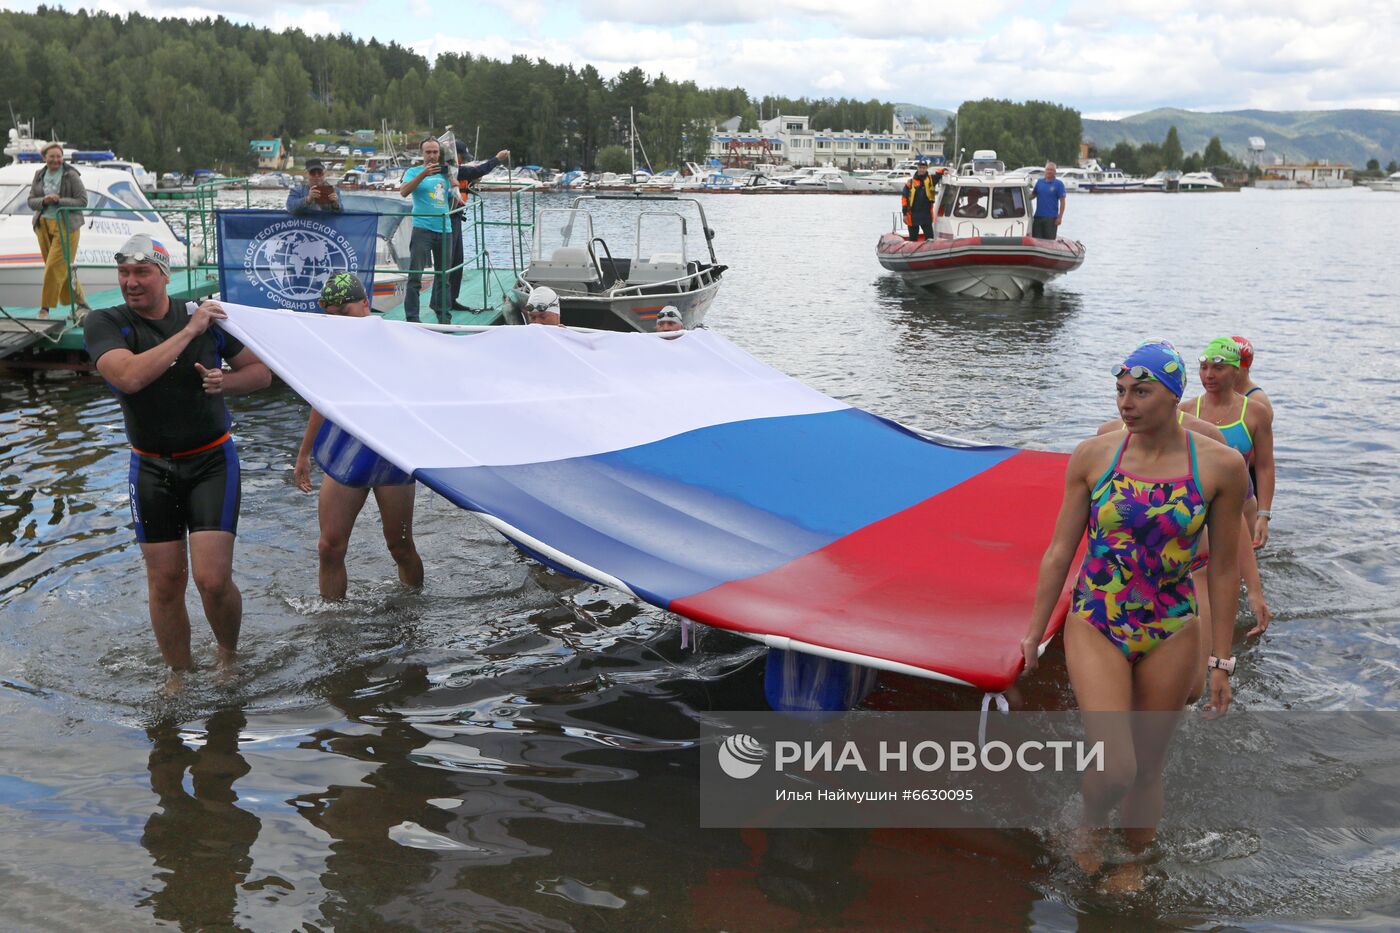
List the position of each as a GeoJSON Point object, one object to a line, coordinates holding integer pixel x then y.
{"type": "Point", "coordinates": [292, 259]}
{"type": "Point", "coordinates": [740, 756]}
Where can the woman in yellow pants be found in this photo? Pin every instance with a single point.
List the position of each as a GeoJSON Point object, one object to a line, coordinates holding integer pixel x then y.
{"type": "Point", "coordinates": [57, 185]}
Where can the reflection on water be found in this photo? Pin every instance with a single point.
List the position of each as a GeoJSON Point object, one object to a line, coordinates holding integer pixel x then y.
{"type": "Point", "coordinates": [513, 749]}
{"type": "Point", "coordinates": [198, 883]}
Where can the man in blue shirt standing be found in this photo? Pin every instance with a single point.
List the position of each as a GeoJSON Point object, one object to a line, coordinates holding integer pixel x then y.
{"type": "Point", "coordinates": [1049, 197]}
{"type": "Point", "coordinates": [434, 194]}
{"type": "Point", "coordinates": [314, 195]}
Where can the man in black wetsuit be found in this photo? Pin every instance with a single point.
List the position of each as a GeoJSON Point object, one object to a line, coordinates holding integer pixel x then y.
{"type": "Point", "coordinates": [165, 364]}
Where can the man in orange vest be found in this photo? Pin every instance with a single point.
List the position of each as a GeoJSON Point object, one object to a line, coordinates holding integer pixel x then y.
{"type": "Point", "coordinates": [467, 172]}
{"type": "Point", "coordinates": [920, 194]}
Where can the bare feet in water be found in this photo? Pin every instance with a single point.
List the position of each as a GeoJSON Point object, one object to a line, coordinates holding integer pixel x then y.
{"type": "Point", "coordinates": [1088, 849]}
{"type": "Point", "coordinates": [227, 663]}
{"type": "Point", "coordinates": [174, 684]}
{"type": "Point", "coordinates": [1127, 878]}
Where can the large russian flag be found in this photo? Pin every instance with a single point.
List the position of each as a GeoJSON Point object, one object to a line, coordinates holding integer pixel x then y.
{"type": "Point", "coordinates": [701, 480]}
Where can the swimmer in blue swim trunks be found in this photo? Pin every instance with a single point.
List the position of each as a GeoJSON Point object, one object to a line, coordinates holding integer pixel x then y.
{"type": "Point", "coordinates": [352, 472]}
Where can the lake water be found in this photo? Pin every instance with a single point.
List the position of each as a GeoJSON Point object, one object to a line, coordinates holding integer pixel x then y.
{"type": "Point", "coordinates": [511, 749]}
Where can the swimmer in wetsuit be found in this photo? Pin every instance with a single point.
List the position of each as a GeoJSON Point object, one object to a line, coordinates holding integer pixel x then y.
{"type": "Point", "coordinates": [165, 364]}
{"type": "Point", "coordinates": [1132, 632]}
{"type": "Point", "coordinates": [352, 472]}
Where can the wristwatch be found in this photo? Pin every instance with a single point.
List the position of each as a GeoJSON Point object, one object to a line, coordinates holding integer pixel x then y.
{"type": "Point", "coordinates": [1225, 664]}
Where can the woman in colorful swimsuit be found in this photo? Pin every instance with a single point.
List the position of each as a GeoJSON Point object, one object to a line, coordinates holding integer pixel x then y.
{"type": "Point", "coordinates": [1131, 639]}
{"type": "Point", "coordinates": [353, 471]}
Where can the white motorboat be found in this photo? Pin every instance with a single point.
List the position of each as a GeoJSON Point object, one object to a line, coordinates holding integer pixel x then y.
{"type": "Point", "coordinates": [1198, 181]}
{"type": "Point", "coordinates": [502, 178]}
{"type": "Point", "coordinates": [1108, 179]}
{"type": "Point", "coordinates": [146, 179]}
{"type": "Point", "coordinates": [981, 245]}
{"type": "Point", "coordinates": [1389, 183]}
{"type": "Point", "coordinates": [622, 293]}
{"type": "Point", "coordinates": [117, 209]}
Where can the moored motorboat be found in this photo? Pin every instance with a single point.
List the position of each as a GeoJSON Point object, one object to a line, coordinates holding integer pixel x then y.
{"type": "Point", "coordinates": [622, 292]}
{"type": "Point", "coordinates": [981, 245]}
{"type": "Point", "coordinates": [1390, 183]}
{"type": "Point", "coordinates": [116, 209]}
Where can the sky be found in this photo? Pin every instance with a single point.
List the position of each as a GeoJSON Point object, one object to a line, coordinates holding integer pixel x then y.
{"type": "Point", "coordinates": [1106, 58]}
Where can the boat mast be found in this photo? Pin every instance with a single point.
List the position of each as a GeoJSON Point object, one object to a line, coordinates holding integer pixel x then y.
{"type": "Point", "coordinates": [632, 120]}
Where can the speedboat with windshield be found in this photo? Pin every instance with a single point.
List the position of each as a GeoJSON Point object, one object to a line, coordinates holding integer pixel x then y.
{"type": "Point", "coordinates": [1390, 183]}
{"type": "Point", "coordinates": [1198, 181]}
{"type": "Point", "coordinates": [981, 244]}
{"type": "Point", "coordinates": [117, 208]}
{"type": "Point", "coordinates": [622, 290]}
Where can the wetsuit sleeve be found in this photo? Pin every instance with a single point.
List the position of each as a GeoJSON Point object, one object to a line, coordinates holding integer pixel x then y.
{"type": "Point", "coordinates": [102, 331]}
{"type": "Point", "coordinates": [228, 345]}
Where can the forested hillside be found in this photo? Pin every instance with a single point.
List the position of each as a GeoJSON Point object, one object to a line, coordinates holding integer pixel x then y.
{"type": "Point", "coordinates": [175, 94]}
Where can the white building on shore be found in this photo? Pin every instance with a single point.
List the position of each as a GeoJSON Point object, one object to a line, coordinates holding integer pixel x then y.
{"type": "Point", "coordinates": [791, 139]}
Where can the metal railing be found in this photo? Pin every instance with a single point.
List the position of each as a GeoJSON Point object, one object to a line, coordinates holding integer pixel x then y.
{"type": "Point", "coordinates": [199, 235]}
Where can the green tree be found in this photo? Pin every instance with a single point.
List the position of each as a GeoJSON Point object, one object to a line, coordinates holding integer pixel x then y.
{"type": "Point", "coordinates": [1171, 150]}
{"type": "Point", "coordinates": [1393, 167]}
{"type": "Point", "coordinates": [614, 158]}
{"type": "Point", "coordinates": [1215, 154]}
{"type": "Point", "coordinates": [1373, 166]}
{"type": "Point", "coordinates": [1125, 156]}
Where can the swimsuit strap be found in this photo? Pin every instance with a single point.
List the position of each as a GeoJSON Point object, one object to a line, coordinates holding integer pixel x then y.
{"type": "Point", "coordinates": [1198, 405]}
{"type": "Point", "coordinates": [1241, 422]}
{"type": "Point", "coordinates": [1099, 483]}
{"type": "Point", "coordinates": [1253, 390]}
{"type": "Point", "coordinates": [1195, 469]}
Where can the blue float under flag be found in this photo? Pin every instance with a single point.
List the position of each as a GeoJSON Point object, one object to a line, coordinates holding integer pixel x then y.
{"type": "Point", "coordinates": [272, 259]}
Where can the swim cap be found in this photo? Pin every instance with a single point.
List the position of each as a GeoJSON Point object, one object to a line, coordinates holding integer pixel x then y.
{"type": "Point", "coordinates": [1222, 350]}
{"type": "Point", "coordinates": [141, 247]}
{"type": "Point", "coordinates": [668, 313]}
{"type": "Point", "coordinates": [342, 288]}
{"type": "Point", "coordinates": [1158, 360]}
{"type": "Point", "coordinates": [1246, 351]}
{"type": "Point", "coordinates": [542, 298]}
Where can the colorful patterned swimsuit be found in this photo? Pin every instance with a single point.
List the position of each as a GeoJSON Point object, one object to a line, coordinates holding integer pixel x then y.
{"type": "Point", "coordinates": [1135, 583]}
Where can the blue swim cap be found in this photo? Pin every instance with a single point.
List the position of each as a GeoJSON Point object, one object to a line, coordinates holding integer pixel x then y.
{"type": "Point", "coordinates": [1156, 359]}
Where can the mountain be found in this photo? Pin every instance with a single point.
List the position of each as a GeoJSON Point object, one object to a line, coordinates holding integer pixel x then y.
{"type": "Point", "coordinates": [1351, 136]}
{"type": "Point", "coordinates": [938, 118]}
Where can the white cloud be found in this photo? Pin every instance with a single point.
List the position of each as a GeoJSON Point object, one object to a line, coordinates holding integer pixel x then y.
{"type": "Point", "coordinates": [1119, 58]}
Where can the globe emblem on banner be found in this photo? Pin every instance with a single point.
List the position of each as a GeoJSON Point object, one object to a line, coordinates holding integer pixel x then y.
{"type": "Point", "coordinates": [291, 261]}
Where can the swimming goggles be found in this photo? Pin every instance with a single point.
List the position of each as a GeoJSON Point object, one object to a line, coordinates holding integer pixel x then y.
{"type": "Point", "coordinates": [1137, 372]}
{"type": "Point", "coordinates": [1218, 359]}
{"type": "Point", "coordinates": [140, 256]}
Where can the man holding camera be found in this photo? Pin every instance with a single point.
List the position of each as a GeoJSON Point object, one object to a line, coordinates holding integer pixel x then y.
{"type": "Point", "coordinates": [316, 195]}
{"type": "Point", "coordinates": [434, 194]}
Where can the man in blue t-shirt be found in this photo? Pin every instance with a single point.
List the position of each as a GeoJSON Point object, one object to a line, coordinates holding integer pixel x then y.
{"type": "Point", "coordinates": [1049, 194]}
{"type": "Point", "coordinates": [434, 194]}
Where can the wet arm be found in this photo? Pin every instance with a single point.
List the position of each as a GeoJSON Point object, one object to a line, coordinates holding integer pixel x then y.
{"type": "Point", "coordinates": [129, 372]}
{"type": "Point", "coordinates": [1225, 523]}
{"type": "Point", "coordinates": [1064, 542]}
{"type": "Point", "coordinates": [1264, 461]}
{"type": "Point", "coordinates": [249, 374]}
{"type": "Point", "coordinates": [308, 437]}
